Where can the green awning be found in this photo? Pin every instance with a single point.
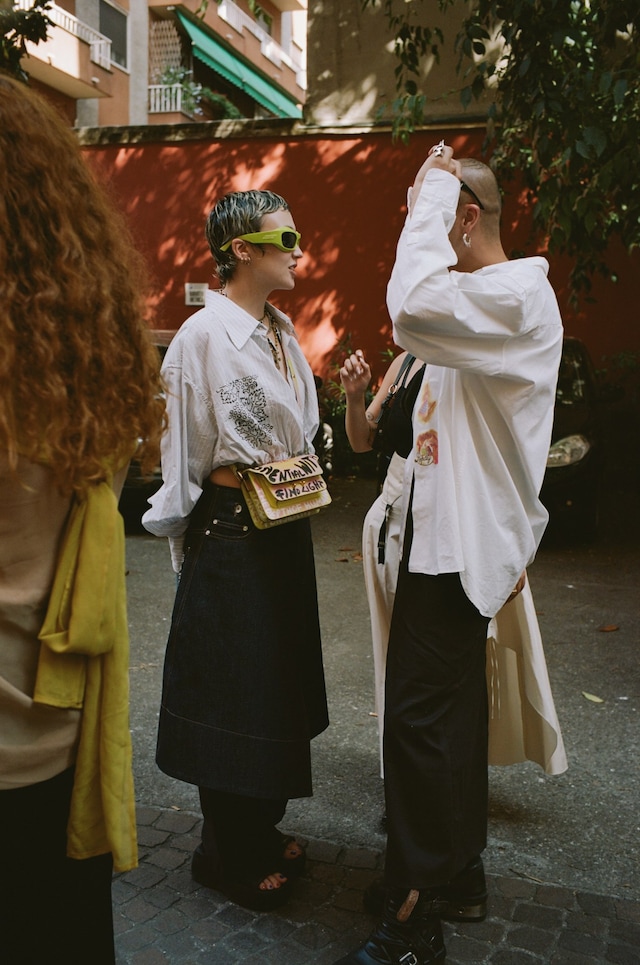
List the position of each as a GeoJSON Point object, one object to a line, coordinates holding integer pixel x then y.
{"type": "Point", "coordinates": [212, 53]}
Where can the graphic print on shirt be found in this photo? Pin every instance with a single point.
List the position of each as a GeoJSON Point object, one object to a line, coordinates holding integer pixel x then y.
{"type": "Point", "coordinates": [248, 410]}
{"type": "Point", "coordinates": [427, 442]}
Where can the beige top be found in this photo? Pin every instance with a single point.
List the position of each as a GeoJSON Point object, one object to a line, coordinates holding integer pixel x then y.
{"type": "Point", "coordinates": [36, 741]}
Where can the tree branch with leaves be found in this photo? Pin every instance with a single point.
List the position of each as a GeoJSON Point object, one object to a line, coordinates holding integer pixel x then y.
{"type": "Point", "coordinates": [565, 116]}
{"type": "Point", "coordinates": [17, 27]}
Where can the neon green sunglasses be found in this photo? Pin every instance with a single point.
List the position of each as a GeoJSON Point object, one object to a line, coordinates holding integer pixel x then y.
{"type": "Point", "coordinates": [286, 239]}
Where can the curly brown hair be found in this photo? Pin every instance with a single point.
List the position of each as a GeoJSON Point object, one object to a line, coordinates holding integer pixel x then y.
{"type": "Point", "coordinates": [79, 374]}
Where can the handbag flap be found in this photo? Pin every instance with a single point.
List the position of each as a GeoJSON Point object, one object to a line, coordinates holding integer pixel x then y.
{"type": "Point", "coordinates": [286, 489]}
{"type": "Point", "coordinates": [288, 470]}
{"type": "Point", "coordinates": [288, 492]}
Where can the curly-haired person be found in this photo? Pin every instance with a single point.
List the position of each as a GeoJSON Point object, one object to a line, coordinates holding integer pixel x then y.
{"type": "Point", "coordinates": [79, 385]}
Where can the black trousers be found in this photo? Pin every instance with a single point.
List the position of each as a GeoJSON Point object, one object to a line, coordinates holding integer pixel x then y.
{"type": "Point", "coordinates": [239, 832]}
{"type": "Point", "coordinates": [52, 908]}
{"type": "Point", "coordinates": [435, 731]}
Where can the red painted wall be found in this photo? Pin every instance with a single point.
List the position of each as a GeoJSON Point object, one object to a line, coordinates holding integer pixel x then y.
{"type": "Point", "coordinates": [346, 195]}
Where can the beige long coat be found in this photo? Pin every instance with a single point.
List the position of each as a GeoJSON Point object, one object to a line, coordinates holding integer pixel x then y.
{"type": "Point", "coordinates": [523, 724]}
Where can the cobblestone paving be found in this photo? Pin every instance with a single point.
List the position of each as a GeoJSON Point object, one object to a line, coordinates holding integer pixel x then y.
{"type": "Point", "coordinates": [162, 917]}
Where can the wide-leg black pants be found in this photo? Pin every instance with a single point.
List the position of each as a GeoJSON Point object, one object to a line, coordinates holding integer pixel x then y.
{"type": "Point", "coordinates": [238, 832]}
{"type": "Point", "coordinates": [435, 732]}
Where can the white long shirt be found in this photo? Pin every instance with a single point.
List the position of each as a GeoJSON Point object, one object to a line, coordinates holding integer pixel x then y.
{"type": "Point", "coordinates": [492, 341]}
{"type": "Point", "coordinates": [227, 403]}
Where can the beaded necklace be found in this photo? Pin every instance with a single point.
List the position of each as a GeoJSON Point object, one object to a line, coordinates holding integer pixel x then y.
{"type": "Point", "coordinates": [276, 345]}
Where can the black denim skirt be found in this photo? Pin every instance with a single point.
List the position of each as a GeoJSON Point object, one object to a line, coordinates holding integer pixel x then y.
{"type": "Point", "coordinates": [243, 688]}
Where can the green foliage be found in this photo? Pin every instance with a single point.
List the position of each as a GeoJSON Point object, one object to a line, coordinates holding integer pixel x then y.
{"type": "Point", "coordinates": [412, 43]}
{"type": "Point", "coordinates": [16, 28]}
{"type": "Point", "coordinates": [253, 5]}
{"type": "Point", "coordinates": [193, 94]}
{"type": "Point", "coordinates": [331, 394]}
{"type": "Point", "coordinates": [566, 115]}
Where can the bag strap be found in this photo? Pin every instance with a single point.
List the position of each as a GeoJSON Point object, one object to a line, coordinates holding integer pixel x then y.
{"type": "Point", "coordinates": [400, 379]}
{"type": "Point", "coordinates": [407, 362]}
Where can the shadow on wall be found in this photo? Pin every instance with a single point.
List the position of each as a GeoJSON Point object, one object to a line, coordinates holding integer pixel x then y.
{"type": "Point", "coordinates": [347, 195]}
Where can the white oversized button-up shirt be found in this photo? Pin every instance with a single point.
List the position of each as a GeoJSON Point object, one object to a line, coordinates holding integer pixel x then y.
{"type": "Point", "coordinates": [227, 403]}
{"type": "Point", "coordinates": [492, 341]}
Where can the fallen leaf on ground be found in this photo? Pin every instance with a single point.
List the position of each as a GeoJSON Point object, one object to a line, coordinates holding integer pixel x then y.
{"type": "Point", "coordinates": [523, 874]}
{"type": "Point", "coordinates": [608, 627]}
{"type": "Point", "coordinates": [342, 559]}
{"type": "Point", "coordinates": [357, 557]}
{"type": "Point", "coordinates": [596, 700]}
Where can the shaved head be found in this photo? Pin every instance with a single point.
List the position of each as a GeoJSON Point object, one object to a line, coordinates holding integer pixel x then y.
{"type": "Point", "coordinates": [481, 178]}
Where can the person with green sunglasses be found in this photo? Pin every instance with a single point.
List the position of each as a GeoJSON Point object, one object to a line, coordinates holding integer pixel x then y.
{"type": "Point", "coordinates": [244, 690]}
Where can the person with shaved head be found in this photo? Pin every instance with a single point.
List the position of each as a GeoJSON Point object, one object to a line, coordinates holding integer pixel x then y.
{"type": "Point", "coordinates": [490, 332]}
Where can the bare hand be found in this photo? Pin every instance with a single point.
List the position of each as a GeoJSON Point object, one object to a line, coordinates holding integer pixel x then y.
{"type": "Point", "coordinates": [355, 374]}
{"type": "Point", "coordinates": [441, 158]}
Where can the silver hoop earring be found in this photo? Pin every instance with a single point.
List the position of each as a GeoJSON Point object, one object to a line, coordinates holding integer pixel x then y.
{"type": "Point", "coordinates": [466, 240]}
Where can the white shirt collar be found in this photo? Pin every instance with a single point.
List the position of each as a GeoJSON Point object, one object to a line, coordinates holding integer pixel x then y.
{"type": "Point", "coordinates": [238, 323]}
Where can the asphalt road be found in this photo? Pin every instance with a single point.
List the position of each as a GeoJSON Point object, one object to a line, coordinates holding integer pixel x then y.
{"type": "Point", "coordinates": [580, 829]}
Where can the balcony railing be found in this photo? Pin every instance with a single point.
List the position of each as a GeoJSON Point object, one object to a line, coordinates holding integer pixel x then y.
{"type": "Point", "coordinates": [166, 99]}
{"type": "Point", "coordinates": [239, 20]}
{"type": "Point", "coordinates": [99, 44]}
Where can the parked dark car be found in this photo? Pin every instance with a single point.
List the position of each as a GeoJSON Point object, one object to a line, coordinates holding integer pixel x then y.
{"type": "Point", "coordinates": [573, 478]}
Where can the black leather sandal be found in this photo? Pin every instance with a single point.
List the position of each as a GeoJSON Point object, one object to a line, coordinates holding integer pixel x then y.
{"type": "Point", "coordinates": [244, 888]}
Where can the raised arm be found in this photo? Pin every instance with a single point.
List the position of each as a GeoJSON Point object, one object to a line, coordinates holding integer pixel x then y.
{"type": "Point", "coordinates": [361, 423]}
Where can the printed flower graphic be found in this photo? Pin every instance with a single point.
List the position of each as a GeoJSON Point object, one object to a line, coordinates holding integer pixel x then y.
{"type": "Point", "coordinates": [427, 448]}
